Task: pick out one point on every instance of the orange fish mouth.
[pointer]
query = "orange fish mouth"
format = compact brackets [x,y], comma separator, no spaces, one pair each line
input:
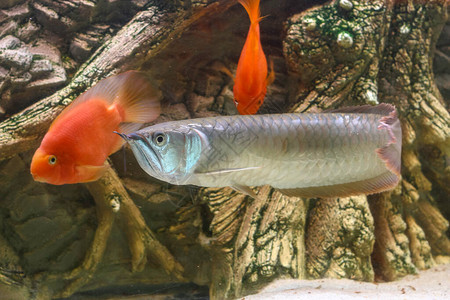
[38,178]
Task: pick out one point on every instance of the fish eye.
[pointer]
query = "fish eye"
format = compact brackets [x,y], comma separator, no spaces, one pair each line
[52,160]
[159,138]
[236,102]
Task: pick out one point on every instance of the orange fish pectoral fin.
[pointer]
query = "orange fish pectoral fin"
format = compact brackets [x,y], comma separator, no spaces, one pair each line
[87,173]
[227,71]
[271,76]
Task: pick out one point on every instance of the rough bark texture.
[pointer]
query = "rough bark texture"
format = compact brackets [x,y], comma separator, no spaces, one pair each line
[259,239]
[340,239]
[129,230]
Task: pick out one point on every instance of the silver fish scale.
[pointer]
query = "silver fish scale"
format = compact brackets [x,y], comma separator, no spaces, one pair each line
[293,150]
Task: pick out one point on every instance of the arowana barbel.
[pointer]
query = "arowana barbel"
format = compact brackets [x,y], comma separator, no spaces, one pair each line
[349,151]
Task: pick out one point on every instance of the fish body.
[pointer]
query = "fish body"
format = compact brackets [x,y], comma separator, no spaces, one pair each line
[336,154]
[250,84]
[80,139]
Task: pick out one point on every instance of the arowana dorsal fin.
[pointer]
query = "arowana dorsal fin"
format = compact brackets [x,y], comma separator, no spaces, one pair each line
[380,109]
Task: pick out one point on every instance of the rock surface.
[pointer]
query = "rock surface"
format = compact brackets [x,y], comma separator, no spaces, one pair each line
[34,34]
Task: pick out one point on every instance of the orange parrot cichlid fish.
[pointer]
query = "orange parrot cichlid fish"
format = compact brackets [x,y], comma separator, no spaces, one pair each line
[80,139]
[250,84]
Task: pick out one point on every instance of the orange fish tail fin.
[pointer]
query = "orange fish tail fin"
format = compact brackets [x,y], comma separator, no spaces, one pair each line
[138,97]
[252,8]
[271,76]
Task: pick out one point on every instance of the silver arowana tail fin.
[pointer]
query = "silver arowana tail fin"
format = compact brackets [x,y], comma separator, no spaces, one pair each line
[390,154]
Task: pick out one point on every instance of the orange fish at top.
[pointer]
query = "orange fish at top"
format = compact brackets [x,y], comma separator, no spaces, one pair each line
[250,84]
[80,139]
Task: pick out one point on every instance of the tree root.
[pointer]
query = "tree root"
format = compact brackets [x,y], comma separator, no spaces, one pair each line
[111,198]
[256,238]
[105,216]
[141,240]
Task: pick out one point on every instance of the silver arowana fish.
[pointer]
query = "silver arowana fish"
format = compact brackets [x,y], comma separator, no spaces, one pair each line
[344,152]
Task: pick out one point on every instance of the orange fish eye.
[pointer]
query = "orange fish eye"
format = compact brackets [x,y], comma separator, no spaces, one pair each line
[236,102]
[52,160]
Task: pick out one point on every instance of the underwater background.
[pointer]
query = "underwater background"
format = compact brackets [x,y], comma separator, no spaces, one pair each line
[130,234]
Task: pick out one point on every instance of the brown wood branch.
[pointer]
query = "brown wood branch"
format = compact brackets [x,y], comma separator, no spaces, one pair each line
[407,81]
[82,274]
[340,238]
[256,237]
[105,218]
[391,254]
[420,248]
[110,195]
[141,240]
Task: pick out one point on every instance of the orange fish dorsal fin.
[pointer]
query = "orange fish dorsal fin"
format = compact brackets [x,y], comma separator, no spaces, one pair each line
[138,99]
[252,8]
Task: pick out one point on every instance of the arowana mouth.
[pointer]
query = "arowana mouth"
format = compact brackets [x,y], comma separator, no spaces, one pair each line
[122,135]
[132,139]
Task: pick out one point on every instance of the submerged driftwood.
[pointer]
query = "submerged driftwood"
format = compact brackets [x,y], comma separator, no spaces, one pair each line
[343,53]
[392,50]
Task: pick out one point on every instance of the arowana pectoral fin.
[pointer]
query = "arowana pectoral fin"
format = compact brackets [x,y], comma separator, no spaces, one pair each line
[224,171]
[244,190]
